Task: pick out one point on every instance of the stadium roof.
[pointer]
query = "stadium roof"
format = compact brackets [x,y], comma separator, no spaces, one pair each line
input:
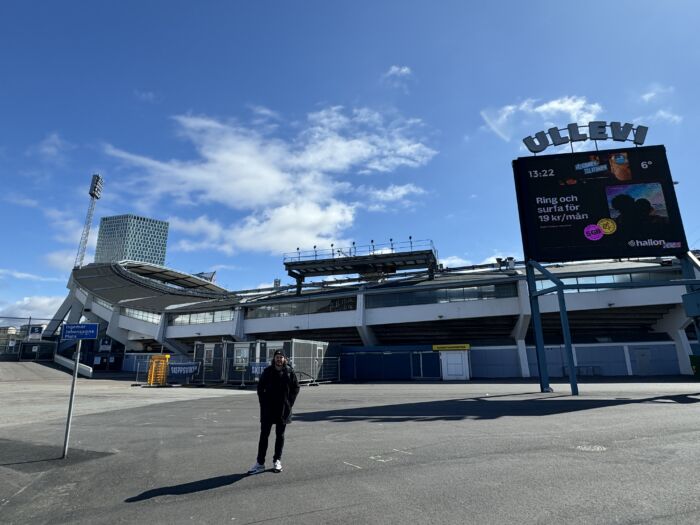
[144,286]
[170,276]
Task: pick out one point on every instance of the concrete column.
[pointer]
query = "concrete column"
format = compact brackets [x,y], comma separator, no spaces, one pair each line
[628,361]
[239,325]
[683,350]
[674,324]
[365,332]
[520,329]
[113,330]
[522,358]
[162,327]
[76,311]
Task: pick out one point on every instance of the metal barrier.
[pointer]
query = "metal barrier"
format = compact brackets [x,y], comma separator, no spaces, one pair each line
[9,352]
[138,370]
[241,375]
[227,371]
[314,369]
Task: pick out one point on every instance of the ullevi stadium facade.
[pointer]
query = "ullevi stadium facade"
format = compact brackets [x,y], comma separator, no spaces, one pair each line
[397,303]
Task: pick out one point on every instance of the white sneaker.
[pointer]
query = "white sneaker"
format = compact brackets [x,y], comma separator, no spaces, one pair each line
[258,467]
[277,466]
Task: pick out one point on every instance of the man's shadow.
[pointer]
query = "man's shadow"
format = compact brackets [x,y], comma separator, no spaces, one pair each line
[188,488]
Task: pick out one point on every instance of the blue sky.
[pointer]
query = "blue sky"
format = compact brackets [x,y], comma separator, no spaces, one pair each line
[256,127]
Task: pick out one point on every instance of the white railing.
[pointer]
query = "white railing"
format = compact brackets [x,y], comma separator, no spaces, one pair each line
[357,251]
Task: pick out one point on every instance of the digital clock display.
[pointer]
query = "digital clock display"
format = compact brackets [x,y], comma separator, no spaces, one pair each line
[598,205]
[541,173]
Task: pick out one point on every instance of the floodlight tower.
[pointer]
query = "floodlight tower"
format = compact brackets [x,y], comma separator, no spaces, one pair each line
[95,193]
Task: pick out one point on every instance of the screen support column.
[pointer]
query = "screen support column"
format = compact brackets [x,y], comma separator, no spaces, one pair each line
[566,332]
[537,326]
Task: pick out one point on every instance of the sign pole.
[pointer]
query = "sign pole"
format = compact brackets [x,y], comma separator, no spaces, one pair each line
[72,398]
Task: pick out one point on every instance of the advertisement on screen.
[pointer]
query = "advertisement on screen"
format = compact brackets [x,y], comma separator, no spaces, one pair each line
[598,205]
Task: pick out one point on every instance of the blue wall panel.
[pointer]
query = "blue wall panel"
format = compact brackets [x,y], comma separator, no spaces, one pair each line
[654,360]
[607,360]
[497,362]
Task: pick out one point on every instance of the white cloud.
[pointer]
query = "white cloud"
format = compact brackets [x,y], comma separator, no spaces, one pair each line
[508,119]
[37,307]
[454,261]
[61,259]
[20,200]
[363,140]
[208,234]
[27,276]
[274,230]
[68,229]
[661,116]
[265,112]
[397,192]
[398,72]
[218,267]
[51,149]
[145,96]
[296,224]
[283,192]
[655,92]
[397,77]
[201,226]
[377,199]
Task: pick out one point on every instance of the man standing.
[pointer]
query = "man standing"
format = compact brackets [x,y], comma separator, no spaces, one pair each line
[277,390]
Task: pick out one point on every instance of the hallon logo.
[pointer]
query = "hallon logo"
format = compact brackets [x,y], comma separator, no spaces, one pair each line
[597,130]
[635,243]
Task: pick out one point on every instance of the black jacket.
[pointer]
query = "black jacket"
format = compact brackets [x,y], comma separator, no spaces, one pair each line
[277,392]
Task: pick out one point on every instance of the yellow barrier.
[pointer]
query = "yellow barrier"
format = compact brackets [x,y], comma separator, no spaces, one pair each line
[158,370]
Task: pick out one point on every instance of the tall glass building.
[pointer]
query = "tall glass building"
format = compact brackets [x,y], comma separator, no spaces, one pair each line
[133,238]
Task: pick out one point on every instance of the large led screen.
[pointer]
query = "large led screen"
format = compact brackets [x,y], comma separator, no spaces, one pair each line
[598,205]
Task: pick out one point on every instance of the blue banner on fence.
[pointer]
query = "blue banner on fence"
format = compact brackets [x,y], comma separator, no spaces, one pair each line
[257,368]
[182,369]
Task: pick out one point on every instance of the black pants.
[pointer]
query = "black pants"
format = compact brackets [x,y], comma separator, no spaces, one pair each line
[279,440]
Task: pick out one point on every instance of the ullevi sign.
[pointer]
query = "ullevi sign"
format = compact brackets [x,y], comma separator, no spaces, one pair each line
[597,130]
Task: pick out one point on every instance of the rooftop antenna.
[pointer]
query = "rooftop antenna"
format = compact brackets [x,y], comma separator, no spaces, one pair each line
[95,193]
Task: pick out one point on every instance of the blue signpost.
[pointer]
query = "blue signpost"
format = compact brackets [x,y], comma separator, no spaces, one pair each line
[75,332]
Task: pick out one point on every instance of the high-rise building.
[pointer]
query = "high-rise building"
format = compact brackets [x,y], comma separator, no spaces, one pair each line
[133,238]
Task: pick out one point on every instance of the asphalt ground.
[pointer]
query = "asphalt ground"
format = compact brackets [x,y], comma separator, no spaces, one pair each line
[477,452]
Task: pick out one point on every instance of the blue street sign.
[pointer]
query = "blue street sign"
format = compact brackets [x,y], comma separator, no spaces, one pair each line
[73,332]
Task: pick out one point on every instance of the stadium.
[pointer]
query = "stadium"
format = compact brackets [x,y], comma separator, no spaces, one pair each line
[392,312]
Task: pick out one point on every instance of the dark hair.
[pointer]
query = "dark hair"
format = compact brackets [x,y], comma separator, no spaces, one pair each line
[276,353]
